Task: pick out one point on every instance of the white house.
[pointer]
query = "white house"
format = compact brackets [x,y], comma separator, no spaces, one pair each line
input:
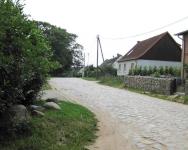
[113,62]
[160,50]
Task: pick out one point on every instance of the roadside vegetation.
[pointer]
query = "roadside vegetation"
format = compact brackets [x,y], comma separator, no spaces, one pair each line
[155,71]
[110,81]
[71,128]
[31,51]
[118,83]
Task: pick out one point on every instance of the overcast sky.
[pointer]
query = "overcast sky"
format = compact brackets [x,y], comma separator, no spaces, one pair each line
[111,19]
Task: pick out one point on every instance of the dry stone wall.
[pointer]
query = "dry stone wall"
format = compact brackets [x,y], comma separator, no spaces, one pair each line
[159,85]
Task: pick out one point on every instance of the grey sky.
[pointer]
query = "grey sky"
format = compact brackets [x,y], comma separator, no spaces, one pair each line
[110,18]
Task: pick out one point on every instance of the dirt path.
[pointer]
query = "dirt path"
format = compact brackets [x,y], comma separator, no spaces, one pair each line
[128,121]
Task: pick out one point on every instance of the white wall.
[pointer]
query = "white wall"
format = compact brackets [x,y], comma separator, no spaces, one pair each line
[124,71]
[115,65]
[143,63]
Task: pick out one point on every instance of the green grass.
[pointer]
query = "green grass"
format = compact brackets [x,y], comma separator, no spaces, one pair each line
[179,99]
[117,83]
[89,78]
[110,81]
[71,128]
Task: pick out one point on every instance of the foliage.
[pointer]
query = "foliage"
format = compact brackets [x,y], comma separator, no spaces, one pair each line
[71,128]
[25,56]
[90,71]
[112,81]
[154,71]
[156,74]
[109,71]
[65,49]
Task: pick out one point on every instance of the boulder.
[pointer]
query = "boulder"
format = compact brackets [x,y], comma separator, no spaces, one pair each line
[35,107]
[15,115]
[37,113]
[52,105]
[173,97]
[55,100]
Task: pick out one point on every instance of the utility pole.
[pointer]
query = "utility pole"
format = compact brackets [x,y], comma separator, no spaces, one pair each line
[99,45]
[83,72]
[97,56]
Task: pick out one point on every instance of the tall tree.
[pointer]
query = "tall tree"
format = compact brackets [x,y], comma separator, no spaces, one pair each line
[64,46]
[25,56]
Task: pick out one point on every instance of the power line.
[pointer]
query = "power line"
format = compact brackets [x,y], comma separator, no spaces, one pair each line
[140,34]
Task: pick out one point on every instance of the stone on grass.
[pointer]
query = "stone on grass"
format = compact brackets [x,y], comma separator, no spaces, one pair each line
[55,100]
[38,113]
[17,114]
[38,108]
[173,97]
[52,105]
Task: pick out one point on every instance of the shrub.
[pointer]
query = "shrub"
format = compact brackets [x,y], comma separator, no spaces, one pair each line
[154,69]
[131,72]
[25,57]
[109,70]
[166,70]
[161,70]
[171,70]
[150,70]
[156,74]
[144,71]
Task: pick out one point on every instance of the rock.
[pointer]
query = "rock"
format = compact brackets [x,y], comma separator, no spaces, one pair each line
[35,107]
[174,96]
[38,113]
[180,93]
[55,100]
[19,113]
[15,115]
[52,105]
[146,92]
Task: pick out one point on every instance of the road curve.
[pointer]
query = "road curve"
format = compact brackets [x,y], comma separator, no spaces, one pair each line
[129,121]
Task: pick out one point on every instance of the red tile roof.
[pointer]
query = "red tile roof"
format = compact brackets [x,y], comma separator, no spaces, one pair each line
[143,48]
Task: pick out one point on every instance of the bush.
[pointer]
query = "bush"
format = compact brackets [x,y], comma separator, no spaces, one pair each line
[144,71]
[161,70]
[109,70]
[157,74]
[25,57]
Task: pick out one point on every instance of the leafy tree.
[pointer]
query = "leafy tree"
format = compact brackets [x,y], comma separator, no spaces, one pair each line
[65,49]
[25,56]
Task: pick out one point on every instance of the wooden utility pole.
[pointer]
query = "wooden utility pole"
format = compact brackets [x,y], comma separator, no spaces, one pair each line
[97,56]
[83,73]
[99,45]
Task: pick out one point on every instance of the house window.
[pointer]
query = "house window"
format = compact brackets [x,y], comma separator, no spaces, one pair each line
[124,68]
[132,65]
[119,66]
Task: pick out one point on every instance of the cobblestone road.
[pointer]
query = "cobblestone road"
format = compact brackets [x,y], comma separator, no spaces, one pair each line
[151,123]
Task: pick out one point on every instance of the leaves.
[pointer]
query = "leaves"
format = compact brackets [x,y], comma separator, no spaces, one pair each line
[25,56]
[65,49]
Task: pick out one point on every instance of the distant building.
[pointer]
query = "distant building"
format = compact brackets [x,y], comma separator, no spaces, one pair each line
[113,62]
[160,50]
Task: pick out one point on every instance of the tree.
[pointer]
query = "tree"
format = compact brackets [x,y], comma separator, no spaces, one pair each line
[65,49]
[25,56]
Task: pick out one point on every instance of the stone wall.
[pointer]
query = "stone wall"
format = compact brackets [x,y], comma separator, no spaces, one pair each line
[159,85]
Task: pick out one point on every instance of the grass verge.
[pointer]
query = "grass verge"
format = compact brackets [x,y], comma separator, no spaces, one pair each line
[110,81]
[117,83]
[71,128]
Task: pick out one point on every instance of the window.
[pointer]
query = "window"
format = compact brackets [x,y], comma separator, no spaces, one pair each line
[119,66]
[124,68]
